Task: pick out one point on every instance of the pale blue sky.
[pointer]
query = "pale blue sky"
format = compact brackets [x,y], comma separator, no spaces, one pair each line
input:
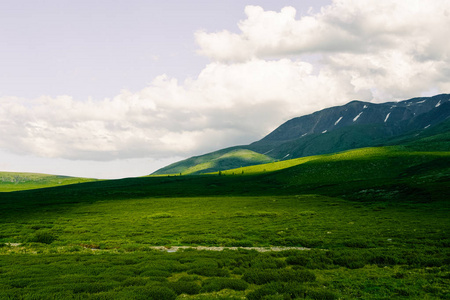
[96,48]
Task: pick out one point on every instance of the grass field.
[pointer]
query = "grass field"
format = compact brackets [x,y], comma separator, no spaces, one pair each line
[375,220]
[13,181]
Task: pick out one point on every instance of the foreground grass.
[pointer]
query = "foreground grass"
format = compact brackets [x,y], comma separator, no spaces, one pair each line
[376,222]
[101,250]
[238,274]
[302,221]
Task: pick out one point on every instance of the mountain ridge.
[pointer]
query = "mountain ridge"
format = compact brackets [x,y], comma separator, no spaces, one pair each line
[354,125]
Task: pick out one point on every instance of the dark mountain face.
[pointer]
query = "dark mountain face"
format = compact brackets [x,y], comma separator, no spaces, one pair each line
[356,124]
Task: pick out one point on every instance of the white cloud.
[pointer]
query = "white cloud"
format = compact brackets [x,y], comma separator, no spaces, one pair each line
[345,26]
[368,50]
[227,104]
[396,49]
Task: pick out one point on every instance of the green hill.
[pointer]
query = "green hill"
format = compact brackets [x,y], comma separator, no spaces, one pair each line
[220,160]
[14,181]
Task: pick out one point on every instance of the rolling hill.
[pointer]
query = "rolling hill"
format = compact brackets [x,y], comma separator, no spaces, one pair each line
[14,181]
[418,122]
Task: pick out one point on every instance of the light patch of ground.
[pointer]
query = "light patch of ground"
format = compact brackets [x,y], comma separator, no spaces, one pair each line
[259,249]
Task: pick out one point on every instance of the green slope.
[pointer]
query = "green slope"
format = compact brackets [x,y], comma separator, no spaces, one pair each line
[343,174]
[13,181]
[216,161]
[230,160]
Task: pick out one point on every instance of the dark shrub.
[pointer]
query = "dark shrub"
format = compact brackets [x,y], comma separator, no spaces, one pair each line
[350,259]
[135,281]
[185,287]
[217,284]
[297,242]
[383,260]
[155,273]
[298,259]
[210,272]
[321,295]
[44,237]
[240,243]
[260,276]
[189,278]
[267,262]
[155,293]
[91,288]
[278,290]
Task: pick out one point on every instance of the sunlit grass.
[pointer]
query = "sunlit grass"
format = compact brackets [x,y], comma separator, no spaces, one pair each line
[354,155]
[13,181]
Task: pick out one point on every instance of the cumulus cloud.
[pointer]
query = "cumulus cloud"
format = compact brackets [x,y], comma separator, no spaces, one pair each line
[225,105]
[345,26]
[368,50]
[394,48]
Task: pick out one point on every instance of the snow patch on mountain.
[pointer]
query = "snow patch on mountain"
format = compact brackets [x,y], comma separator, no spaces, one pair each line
[356,118]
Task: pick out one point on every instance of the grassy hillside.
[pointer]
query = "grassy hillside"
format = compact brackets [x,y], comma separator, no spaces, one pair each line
[375,219]
[216,161]
[230,161]
[13,181]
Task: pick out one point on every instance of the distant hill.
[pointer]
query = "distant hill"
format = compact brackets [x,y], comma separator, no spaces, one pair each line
[13,181]
[220,160]
[420,123]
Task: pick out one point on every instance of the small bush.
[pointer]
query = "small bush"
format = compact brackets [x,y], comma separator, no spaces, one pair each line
[321,295]
[91,287]
[291,241]
[154,293]
[260,276]
[358,243]
[209,272]
[199,240]
[240,243]
[267,262]
[185,287]
[189,278]
[156,273]
[299,260]
[44,237]
[383,260]
[278,290]
[135,281]
[217,284]
[161,216]
[350,259]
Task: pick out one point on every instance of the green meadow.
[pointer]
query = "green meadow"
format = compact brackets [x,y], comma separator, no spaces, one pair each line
[369,223]
[13,181]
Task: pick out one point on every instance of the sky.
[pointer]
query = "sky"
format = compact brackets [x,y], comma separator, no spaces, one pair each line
[113,89]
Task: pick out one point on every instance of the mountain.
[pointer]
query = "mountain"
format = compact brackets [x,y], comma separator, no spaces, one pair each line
[418,122]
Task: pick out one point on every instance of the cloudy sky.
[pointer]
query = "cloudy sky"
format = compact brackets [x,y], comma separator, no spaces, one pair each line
[112,89]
